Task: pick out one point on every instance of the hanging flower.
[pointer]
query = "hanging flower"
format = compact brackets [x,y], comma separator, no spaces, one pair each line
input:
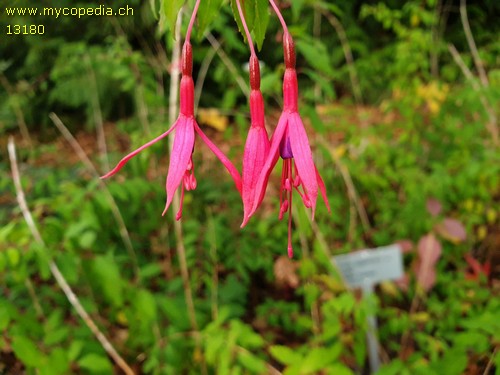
[290,142]
[181,167]
[257,143]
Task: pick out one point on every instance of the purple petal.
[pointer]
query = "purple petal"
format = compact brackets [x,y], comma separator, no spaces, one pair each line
[180,156]
[254,157]
[220,155]
[133,153]
[272,158]
[303,158]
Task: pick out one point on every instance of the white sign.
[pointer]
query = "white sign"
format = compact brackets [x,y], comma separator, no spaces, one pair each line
[365,267]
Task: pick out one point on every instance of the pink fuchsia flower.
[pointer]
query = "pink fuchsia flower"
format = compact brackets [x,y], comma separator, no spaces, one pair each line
[256,146]
[181,167]
[290,141]
[257,143]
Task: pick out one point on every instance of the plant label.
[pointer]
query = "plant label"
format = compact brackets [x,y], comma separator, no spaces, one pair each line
[363,269]
[370,266]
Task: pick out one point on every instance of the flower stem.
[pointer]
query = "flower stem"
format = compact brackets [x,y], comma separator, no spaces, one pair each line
[245,27]
[191,21]
[280,16]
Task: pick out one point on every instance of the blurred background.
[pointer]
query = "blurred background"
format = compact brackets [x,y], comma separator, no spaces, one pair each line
[401,103]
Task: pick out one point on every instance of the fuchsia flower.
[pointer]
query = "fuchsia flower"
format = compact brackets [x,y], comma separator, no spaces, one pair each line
[181,167]
[256,146]
[257,143]
[290,141]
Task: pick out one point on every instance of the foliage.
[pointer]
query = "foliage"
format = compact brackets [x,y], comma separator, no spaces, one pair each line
[416,157]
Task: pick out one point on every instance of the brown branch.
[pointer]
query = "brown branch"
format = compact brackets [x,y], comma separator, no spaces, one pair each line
[490,362]
[472,44]
[229,64]
[96,110]
[54,269]
[351,189]
[21,122]
[349,59]
[491,125]
[114,207]
[202,74]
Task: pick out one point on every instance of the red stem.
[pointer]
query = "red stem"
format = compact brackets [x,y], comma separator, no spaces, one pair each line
[245,27]
[191,21]
[278,13]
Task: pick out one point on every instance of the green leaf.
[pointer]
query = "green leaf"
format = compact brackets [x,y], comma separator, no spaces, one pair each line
[3,262]
[285,355]
[146,305]
[316,55]
[297,8]
[252,362]
[260,22]
[150,270]
[315,360]
[75,348]
[207,12]
[4,317]
[109,278]
[256,13]
[237,18]
[96,363]
[496,361]
[247,337]
[27,351]
[475,341]
[339,369]
[87,239]
[58,362]
[14,256]
[454,362]
[170,9]
[56,336]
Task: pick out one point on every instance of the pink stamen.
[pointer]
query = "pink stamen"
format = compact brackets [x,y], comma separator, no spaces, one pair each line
[185,181]
[178,215]
[290,248]
[288,186]
[296,182]
[286,176]
[283,209]
[286,193]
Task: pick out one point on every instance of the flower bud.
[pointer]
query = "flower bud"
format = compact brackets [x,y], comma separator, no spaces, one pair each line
[187,60]
[289,51]
[254,73]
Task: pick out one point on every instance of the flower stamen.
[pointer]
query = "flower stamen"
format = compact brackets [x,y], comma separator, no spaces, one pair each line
[290,248]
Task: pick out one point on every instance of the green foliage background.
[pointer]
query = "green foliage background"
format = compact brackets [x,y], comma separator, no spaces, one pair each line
[397,126]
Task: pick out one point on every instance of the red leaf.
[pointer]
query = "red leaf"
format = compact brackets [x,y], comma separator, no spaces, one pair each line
[452,230]
[429,251]
[433,206]
[405,245]
[477,268]
[473,264]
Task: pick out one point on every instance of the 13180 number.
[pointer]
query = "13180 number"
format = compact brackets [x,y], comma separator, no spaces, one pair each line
[25,29]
